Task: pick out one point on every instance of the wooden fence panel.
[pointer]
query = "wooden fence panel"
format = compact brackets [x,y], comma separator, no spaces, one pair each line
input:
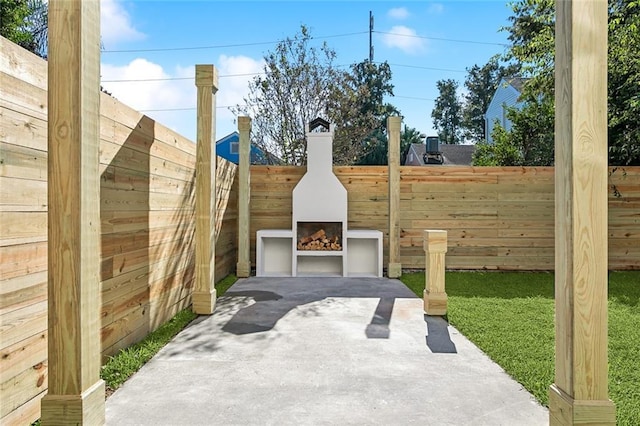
[499,218]
[147,209]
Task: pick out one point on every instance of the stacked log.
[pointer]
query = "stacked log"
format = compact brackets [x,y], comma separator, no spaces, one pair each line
[319,241]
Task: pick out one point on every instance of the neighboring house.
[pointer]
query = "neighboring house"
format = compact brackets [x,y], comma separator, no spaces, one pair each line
[229,147]
[507,95]
[414,155]
[452,155]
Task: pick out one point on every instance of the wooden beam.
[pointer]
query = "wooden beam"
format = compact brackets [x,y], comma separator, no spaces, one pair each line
[204,292]
[243,268]
[394,269]
[434,295]
[580,392]
[76,392]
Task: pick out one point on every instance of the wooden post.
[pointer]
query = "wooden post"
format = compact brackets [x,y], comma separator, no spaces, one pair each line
[435,247]
[243,268]
[204,292]
[394,269]
[76,392]
[580,392]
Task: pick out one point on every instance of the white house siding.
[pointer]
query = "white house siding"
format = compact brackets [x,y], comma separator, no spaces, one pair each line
[506,96]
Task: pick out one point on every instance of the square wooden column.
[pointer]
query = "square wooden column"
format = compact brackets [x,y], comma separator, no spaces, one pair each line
[243,267]
[394,269]
[434,296]
[580,392]
[76,393]
[204,292]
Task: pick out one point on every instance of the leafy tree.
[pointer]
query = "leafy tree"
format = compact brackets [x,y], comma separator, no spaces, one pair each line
[527,144]
[481,84]
[358,109]
[38,25]
[530,132]
[499,153]
[297,83]
[447,112]
[300,83]
[13,23]
[532,33]
[379,153]
[378,150]
[25,23]
[624,82]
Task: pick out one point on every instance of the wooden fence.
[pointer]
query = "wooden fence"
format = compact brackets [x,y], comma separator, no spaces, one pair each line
[147,227]
[499,218]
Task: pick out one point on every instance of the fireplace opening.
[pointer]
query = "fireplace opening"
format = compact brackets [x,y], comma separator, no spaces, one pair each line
[319,236]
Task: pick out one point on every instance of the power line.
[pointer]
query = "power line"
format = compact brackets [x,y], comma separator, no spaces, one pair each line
[443,39]
[223,46]
[181,109]
[424,68]
[260,43]
[413,97]
[143,80]
[136,80]
[232,106]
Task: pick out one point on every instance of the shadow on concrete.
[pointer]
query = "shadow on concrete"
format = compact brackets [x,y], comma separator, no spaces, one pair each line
[379,326]
[438,338]
[280,296]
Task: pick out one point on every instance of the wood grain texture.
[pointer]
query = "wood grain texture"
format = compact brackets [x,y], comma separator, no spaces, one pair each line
[434,295]
[243,268]
[204,294]
[73,187]
[394,269]
[580,216]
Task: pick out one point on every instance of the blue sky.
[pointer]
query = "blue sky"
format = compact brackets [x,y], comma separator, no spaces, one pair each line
[423,41]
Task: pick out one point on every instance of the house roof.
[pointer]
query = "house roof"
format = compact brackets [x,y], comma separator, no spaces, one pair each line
[233,137]
[457,155]
[516,82]
[453,155]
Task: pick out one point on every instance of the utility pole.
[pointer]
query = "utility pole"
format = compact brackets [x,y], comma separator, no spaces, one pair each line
[370,37]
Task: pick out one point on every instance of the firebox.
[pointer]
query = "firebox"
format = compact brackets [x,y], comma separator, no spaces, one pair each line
[319,236]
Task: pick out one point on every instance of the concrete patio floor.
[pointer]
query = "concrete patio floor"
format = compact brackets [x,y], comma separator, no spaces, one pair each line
[321,351]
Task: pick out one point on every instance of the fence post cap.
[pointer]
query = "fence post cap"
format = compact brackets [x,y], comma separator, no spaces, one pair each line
[435,240]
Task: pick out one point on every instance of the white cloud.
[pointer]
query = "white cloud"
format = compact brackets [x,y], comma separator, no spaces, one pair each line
[149,87]
[404,38]
[151,92]
[146,88]
[115,23]
[398,13]
[233,89]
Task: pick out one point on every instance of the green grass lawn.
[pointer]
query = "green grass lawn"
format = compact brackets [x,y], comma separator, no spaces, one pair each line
[510,316]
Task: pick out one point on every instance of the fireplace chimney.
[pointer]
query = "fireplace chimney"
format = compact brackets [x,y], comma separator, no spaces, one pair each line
[319,206]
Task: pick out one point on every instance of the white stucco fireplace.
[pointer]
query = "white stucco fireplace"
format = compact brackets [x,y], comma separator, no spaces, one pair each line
[319,242]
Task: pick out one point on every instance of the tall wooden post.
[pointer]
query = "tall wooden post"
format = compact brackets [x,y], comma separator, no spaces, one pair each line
[434,296]
[580,392]
[76,392]
[394,269]
[243,268]
[204,292]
